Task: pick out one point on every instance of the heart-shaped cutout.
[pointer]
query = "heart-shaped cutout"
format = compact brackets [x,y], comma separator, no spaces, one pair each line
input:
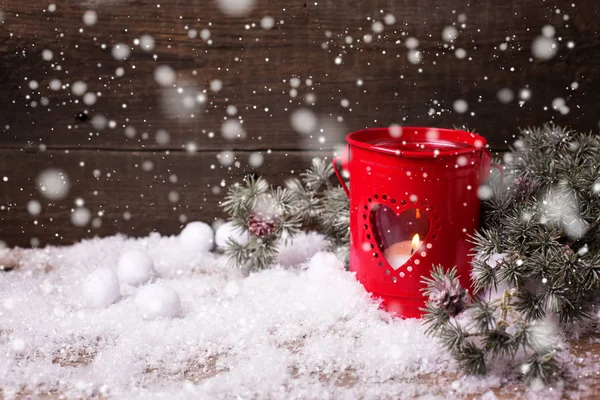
[398,237]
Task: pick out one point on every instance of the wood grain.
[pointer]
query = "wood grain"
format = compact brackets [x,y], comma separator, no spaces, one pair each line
[256,65]
[134,193]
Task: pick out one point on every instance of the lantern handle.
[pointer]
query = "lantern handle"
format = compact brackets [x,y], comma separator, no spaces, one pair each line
[334,163]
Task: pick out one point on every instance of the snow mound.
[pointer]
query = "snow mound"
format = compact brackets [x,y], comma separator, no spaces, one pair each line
[302,330]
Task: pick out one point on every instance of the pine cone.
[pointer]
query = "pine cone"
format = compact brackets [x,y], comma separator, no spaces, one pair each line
[261,226]
[449,295]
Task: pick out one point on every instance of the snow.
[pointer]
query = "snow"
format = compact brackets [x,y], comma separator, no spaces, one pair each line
[236,8]
[135,267]
[100,288]
[53,184]
[304,329]
[228,230]
[197,237]
[544,48]
[90,17]
[304,121]
[300,330]
[267,22]
[164,75]
[158,301]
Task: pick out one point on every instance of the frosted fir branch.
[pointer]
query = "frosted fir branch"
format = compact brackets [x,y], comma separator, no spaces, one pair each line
[334,215]
[492,329]
[318,175]
[306,204]
[541,242]
[273,215]
[242,199]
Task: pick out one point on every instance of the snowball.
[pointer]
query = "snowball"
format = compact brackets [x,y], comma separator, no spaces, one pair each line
[18,345]
[303,247]
[197,236]
[227,231]
[157,301]
[322,263]
[135,267]
[101,288]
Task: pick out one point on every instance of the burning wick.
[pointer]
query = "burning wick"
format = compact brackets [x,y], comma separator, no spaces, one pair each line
[399,253]
[414,245]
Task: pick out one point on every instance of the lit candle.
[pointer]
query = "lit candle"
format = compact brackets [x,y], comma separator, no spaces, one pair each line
[399,253]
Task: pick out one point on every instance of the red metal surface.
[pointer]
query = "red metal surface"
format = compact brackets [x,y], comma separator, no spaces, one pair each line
[423,182]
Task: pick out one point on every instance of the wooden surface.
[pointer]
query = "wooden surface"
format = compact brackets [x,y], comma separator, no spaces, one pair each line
[123,195]
[256,67]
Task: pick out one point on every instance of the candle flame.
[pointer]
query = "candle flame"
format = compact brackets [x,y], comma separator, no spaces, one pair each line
[414,245]
[418,215]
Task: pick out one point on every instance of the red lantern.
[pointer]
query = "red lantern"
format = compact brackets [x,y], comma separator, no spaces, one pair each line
[413,204]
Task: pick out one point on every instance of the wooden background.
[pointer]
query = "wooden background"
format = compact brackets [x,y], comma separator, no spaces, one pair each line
[135,185]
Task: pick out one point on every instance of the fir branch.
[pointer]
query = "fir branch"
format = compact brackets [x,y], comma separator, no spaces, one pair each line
[484,276]
[318,175]
[435,318]
[540,366]
[275,215]
[499,343]
[471,358]
[483,316]
[530,305]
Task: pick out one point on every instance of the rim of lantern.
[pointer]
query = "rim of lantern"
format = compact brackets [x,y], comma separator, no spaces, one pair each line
[475,141]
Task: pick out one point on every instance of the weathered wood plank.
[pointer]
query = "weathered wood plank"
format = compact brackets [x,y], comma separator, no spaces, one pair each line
[393,90]
[134,193]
